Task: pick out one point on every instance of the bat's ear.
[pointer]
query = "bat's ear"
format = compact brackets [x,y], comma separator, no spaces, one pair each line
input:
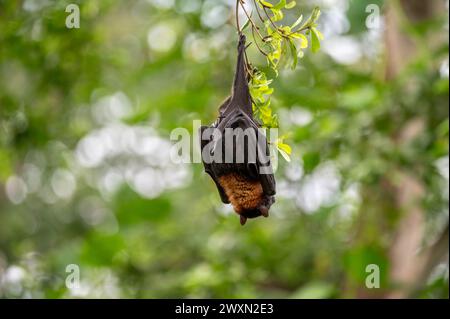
[243,220]
[264,211]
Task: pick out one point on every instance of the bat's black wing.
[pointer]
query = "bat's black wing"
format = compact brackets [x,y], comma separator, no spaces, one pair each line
[248,143]
[244,149]
[207,160]
[251,141]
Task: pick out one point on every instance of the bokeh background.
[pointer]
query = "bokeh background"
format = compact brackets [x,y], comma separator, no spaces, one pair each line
[85,175]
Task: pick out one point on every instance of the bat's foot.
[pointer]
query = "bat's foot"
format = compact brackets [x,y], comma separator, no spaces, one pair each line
[264,211]
[243,220]
[242,40]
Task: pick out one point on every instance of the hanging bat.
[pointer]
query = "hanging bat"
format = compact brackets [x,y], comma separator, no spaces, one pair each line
[235,153]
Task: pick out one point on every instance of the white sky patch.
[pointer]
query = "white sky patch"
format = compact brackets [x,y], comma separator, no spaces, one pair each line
[300,116]
[14,274]
[97,283]
[90,151]
[32,176]
[286,190]
[111,181]
[226,210]
[372,41]
[333,20]
[442,165]
[63,183]
[440,271]
[319,188]
[196,48]
[112,108]
[294,171]
[162,4]
[148,181]
[343,49]
[135,155]
[35,5]
[12,280]
[350,201]
[161,38]
[16,189]
[444,69]
[189,6]
[213,15]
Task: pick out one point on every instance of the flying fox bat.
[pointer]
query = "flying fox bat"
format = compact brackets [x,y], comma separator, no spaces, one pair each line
[235,153]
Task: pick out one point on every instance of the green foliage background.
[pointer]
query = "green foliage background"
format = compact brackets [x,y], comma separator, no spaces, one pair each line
[181,242]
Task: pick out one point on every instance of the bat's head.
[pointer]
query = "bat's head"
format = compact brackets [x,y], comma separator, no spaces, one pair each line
[261,210]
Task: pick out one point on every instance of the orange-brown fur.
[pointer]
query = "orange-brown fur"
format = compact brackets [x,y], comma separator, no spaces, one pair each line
[242,193]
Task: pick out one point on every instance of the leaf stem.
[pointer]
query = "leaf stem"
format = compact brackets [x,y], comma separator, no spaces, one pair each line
[256,43]
[237,17]
[257,10]
[251,21]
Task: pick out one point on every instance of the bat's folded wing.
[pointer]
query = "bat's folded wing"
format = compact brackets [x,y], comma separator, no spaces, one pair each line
[207,162]
[252,141]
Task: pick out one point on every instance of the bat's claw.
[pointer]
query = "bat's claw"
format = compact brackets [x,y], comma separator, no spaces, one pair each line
[243,220]
[264,211]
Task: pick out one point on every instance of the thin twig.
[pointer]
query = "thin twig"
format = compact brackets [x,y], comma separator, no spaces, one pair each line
[247,63]
[307,27]
[270,19]
[252,22]
[257,10]
[256,43]
[277,29]
[237,16]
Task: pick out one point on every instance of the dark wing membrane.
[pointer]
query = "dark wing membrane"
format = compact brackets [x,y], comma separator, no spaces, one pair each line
[224,105]
[254,144]
[208,166]
[268,184]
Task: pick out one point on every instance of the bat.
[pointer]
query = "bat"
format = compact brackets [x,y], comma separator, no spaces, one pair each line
[235,152]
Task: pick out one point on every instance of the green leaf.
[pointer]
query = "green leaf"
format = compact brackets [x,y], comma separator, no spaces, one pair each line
[265,4]
[315,14]
[302,38]
[293,53]
[285,147]
[314,290]
[247,23]
[280,5]
[315,42]
[277,15]
[285,150]
[312,19]
[318,33]
[296,23]
[291,5]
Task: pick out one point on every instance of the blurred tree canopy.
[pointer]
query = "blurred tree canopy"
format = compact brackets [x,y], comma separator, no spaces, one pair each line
[86,180]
